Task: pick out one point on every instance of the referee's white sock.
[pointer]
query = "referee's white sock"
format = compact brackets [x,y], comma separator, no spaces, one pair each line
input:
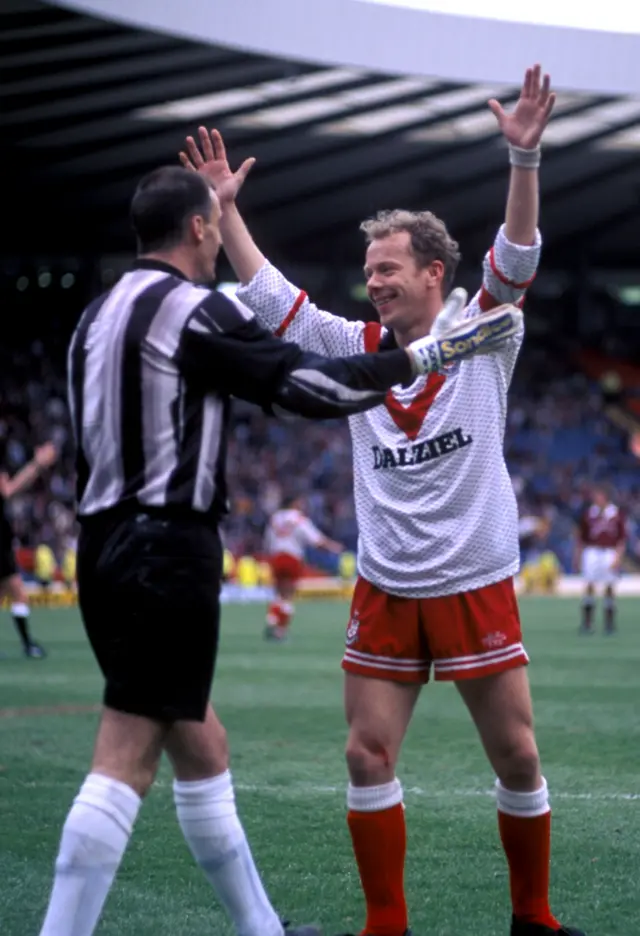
[94,838]
[209,822]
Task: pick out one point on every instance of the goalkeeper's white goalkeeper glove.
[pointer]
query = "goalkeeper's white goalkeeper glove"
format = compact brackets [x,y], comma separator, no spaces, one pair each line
[481,334]
[451,314]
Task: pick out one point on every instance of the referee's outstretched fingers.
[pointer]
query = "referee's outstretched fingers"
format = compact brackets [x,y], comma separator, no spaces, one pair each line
[186,162]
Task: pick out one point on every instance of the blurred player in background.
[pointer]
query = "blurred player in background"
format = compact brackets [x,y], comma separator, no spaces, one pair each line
[11,584]
[540,569]
[228,565]
[437,518]
[44,566]
[69,562]
[532,531]
[549,571]
[288,534]
[601,543]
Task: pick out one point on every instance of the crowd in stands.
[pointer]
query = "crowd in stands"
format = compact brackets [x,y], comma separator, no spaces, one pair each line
[558,441]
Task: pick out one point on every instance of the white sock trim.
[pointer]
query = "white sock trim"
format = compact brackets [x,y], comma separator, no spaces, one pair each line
[374,798]
[525,805]
[113,797]
[20,609]
[220,786]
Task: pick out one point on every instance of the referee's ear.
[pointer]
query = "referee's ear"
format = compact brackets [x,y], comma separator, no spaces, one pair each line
[207,228]
[197,228]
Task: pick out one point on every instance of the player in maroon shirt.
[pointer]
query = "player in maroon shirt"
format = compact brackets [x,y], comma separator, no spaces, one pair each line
[602,539]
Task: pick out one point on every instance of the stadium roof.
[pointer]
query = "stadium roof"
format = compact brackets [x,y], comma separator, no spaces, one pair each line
[89,106]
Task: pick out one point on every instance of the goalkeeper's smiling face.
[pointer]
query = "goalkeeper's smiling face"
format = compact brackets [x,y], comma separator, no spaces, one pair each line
[407,296]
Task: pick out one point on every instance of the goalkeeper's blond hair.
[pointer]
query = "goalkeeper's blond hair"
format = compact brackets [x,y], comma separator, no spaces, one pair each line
[430,239]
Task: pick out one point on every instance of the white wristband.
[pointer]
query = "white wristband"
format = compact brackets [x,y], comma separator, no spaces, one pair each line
[524,158]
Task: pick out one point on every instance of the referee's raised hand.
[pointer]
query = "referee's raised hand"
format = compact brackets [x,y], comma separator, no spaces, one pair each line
[213,164]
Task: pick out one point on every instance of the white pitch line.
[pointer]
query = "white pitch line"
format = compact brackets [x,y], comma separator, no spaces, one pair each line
[312,789]
[315,790]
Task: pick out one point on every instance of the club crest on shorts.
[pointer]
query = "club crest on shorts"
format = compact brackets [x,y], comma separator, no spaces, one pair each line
[353,628]
[495,640]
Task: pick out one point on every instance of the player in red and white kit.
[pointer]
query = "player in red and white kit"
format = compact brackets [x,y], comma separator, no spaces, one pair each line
[601,543]
[437,519]
[288,535]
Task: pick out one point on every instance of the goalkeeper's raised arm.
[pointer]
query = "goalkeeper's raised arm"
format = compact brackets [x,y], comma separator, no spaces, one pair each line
[522,129]
[511,264]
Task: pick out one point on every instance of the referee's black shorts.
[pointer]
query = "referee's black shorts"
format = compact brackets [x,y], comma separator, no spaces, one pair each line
[7,559]
[148,589]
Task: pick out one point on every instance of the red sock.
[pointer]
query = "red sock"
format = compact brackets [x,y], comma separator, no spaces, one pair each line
[273,614]
[380,843]
[527,844]
[285,612]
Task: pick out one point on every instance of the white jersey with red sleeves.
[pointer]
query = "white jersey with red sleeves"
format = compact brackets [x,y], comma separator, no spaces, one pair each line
[436,510]
[290,532]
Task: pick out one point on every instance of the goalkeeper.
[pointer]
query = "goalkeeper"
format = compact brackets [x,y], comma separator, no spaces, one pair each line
[436,512]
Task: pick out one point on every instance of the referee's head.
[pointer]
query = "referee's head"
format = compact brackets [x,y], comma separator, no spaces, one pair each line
[176,218]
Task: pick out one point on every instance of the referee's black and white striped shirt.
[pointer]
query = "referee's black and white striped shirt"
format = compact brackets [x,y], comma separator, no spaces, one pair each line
[152,366]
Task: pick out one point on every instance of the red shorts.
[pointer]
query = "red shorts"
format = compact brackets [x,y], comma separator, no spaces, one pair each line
[465,636]
[286,567]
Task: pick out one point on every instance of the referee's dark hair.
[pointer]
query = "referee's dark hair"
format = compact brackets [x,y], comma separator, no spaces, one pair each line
[163,203]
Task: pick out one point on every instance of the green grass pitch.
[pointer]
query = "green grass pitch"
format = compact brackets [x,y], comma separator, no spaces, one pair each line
[282,706]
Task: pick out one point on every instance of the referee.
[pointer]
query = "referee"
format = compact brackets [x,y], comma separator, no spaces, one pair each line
[152,367]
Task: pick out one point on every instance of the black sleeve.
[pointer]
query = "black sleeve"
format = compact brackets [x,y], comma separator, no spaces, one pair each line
[229,352]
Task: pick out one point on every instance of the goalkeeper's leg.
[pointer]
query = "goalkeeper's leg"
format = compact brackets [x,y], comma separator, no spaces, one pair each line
[378,712]
[385,668]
